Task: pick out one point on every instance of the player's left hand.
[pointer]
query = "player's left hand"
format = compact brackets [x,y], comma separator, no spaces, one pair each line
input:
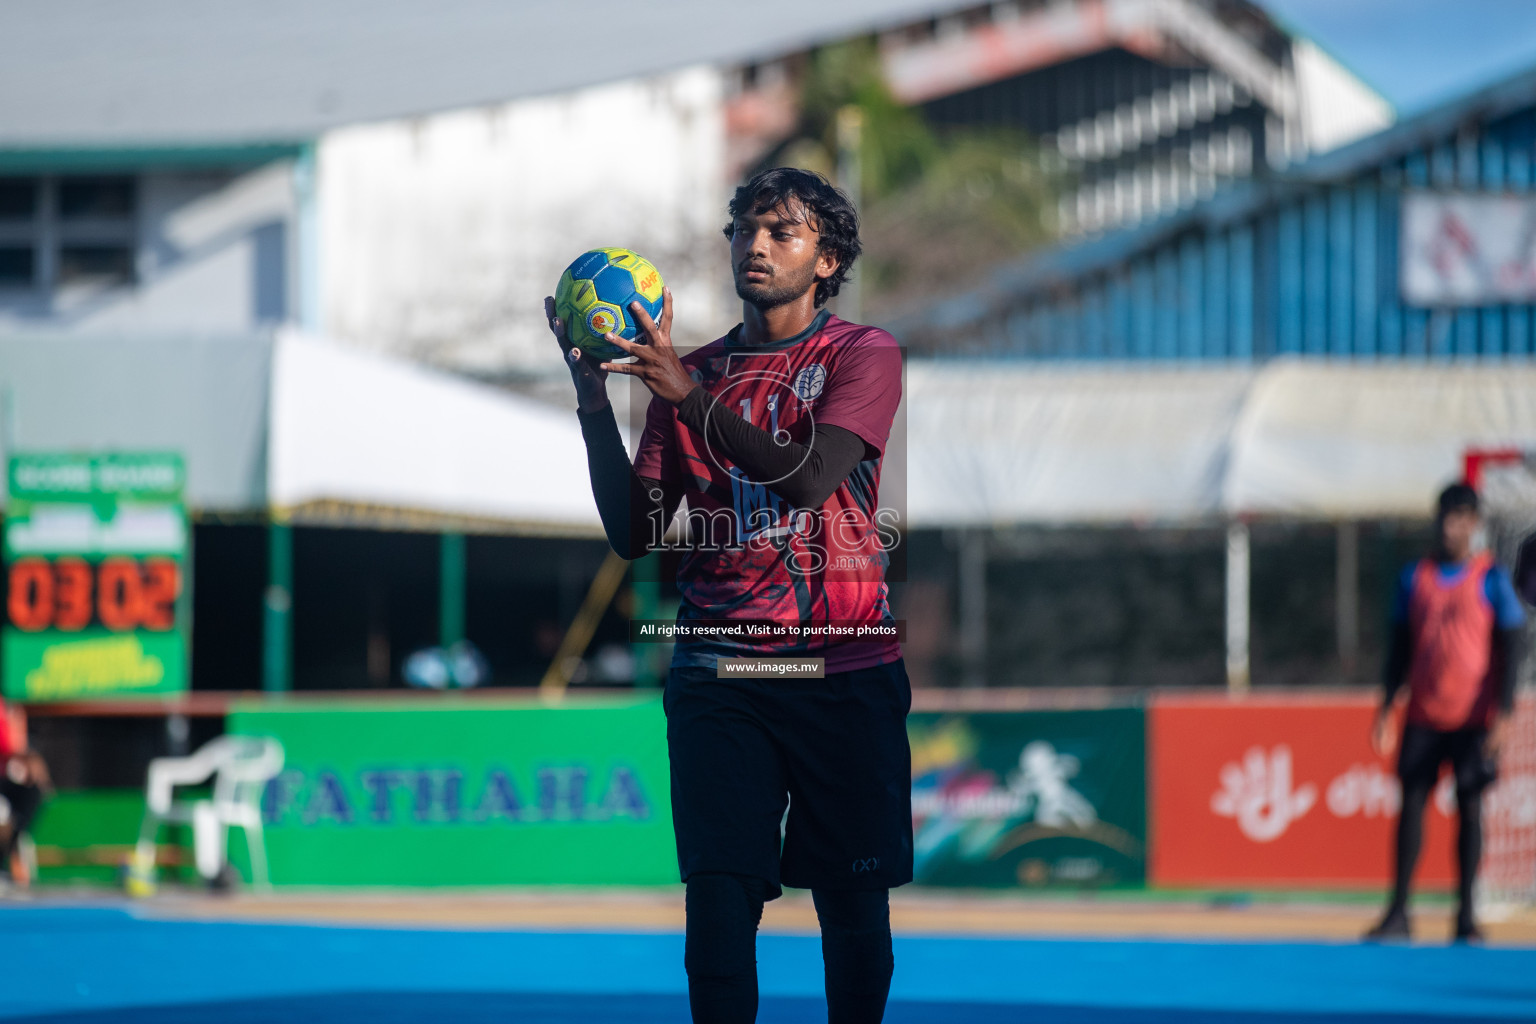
[1383,735]
[657,364]
[1497,733]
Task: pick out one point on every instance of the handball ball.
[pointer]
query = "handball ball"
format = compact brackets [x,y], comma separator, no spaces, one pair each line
[594,295]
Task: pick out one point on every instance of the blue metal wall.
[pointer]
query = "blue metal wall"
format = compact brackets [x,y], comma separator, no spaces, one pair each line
[1305,264]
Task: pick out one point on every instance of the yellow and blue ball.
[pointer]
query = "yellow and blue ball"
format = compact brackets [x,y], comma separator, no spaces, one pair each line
[594,295]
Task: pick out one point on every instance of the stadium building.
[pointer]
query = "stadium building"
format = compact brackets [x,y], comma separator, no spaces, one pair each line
[1151,105]
[1395,247]
[226,196]
[1275,382]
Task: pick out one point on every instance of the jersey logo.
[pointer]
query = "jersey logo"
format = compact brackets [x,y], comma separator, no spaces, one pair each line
[809,382]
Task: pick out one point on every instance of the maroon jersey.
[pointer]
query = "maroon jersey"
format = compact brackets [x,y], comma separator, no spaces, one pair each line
[754,557]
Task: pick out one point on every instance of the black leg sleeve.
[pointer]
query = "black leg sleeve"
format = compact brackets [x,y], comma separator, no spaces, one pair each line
[856,952]
[1469,844]
[721,947]
[1410,836]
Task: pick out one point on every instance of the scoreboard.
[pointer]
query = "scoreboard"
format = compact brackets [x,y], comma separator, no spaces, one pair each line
[96,601]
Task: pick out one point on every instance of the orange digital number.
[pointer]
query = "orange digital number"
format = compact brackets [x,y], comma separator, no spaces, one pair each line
[119,593]
[30,598]
[72,594]
[162,585]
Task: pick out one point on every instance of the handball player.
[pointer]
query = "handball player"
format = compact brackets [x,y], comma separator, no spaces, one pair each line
[774,436]
[1456,626]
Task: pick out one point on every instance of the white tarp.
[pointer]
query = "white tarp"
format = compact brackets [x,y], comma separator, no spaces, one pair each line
[1468,249]
[291,422]
[365,430]
[204,397]
[301,423]
[1009,442]
[1362,440]
[1001,442]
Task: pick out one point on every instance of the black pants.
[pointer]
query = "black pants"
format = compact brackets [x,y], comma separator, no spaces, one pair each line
[1423,751]
[833,753]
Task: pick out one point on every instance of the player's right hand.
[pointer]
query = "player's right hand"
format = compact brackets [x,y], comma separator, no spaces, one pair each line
[586,372]
[1383,736]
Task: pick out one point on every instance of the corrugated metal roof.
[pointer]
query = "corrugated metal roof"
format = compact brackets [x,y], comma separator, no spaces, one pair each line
[1061,265]
[167,72]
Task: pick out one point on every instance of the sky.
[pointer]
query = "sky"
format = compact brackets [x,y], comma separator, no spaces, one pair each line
[1419,52]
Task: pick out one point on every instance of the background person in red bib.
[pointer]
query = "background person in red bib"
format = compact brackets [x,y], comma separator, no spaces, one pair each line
[1455,647]
[775,435]
[24,784]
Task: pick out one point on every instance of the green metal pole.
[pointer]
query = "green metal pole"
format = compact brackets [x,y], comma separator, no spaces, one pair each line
[277,638]
[450,597]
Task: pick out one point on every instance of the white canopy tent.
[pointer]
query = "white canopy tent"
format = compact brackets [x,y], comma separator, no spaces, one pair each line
[361,431]
[295,423]
[998,443]
[304,427]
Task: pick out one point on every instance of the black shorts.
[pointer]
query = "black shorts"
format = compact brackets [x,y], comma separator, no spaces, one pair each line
[1424,750]
[834,750]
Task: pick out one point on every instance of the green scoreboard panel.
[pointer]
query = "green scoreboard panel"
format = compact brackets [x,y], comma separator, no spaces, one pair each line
[97,601]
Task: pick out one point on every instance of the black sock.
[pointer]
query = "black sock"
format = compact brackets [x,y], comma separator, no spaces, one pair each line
[1410,836]
[1469,847]
[856,952]
[721,947]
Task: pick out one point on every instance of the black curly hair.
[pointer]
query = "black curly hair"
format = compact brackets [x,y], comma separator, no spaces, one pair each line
[830,212]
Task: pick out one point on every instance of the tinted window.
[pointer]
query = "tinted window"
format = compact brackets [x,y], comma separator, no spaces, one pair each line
[18,198]
[95,197]
[16,265]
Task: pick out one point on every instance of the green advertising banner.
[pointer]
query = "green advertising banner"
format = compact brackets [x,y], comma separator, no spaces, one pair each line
[95,551]
[1030,798]
[469,792]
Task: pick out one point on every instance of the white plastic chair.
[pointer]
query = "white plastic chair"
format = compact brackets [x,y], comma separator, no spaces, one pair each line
[241,767]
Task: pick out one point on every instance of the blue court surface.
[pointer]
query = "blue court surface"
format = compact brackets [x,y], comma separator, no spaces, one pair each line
[75,964]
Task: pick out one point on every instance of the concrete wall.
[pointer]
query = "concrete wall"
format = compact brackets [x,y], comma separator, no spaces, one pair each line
[439,237]
[214,253]
[434,238]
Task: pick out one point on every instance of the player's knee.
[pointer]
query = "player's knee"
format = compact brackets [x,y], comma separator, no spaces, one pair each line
[723,913]
[853,912]
[856,950]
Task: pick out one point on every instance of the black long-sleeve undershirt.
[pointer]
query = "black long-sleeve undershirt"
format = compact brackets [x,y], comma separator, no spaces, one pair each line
[803,475]
[634,517]
[636,510]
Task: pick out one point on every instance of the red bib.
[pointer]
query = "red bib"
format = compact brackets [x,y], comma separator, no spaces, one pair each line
[1452,622]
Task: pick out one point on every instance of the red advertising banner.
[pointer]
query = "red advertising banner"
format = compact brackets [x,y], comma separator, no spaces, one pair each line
[1279,790]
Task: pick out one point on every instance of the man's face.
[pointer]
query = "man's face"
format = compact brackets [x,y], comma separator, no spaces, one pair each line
[1456,531]
[774,255]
